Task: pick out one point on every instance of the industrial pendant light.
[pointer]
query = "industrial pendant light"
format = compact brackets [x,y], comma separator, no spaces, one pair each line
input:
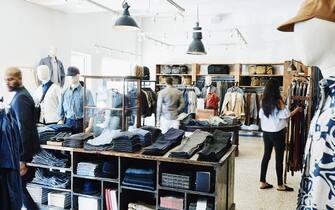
[197,47]
[126,22]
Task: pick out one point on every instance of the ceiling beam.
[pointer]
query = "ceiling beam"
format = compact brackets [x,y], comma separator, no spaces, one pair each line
[173,3]
[103,7]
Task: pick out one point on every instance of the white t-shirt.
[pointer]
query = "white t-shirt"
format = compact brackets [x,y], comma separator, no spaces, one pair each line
[276,121]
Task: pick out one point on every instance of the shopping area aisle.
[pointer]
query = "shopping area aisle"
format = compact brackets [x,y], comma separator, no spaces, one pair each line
[248,196]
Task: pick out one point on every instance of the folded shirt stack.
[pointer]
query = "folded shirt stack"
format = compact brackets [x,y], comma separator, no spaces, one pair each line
[144,135]
[155,132]
[126,142]
[39,194]
[87,169]
[46,158]
[140,206]
[45,133]
[140,178]
[165,142]
[76,140]
[215,148]
[103,142]
[51,179]
[59,199]
[170,202]
[190,145]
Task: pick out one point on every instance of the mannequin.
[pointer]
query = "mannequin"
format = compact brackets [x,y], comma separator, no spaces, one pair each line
[70,110]
[50,102]
[209,88]
[56,67]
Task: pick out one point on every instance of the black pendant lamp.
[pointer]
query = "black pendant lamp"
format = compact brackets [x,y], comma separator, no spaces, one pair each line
[197,47]
[126,22]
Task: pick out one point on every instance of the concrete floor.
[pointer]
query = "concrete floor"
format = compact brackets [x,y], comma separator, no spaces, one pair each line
[248,196]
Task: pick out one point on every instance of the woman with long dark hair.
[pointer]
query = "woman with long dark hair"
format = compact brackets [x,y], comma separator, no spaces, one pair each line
[274,115]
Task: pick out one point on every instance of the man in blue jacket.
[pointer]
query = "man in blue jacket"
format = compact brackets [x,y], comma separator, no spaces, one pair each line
[22,109]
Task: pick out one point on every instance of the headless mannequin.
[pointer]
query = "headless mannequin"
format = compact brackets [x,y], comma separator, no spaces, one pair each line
[43,73]
[75,82]
[317,50]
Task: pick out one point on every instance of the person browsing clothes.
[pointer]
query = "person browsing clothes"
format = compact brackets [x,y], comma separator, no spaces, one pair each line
[170,103]
[274,116]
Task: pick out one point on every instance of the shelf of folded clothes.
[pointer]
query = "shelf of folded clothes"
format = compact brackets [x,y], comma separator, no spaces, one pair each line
[48,167]
[48,187]
[96,196]
[187,191]
[46,207]
[96,178]
[138,189]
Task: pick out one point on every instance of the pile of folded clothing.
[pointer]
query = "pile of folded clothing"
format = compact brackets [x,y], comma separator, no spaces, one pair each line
[170,202]
[51,179]
[60,136]
[59,199]
[192,144]
[165,142]
[45,133]
[144,135]
[46,158]
[155,132]
[76,140]
[215,149]
[39,194]
[60,127]
[230,120]
[140,178]
[103,142]
[126,142]
[193,122]
[140,206]
[201,204]
[87,169]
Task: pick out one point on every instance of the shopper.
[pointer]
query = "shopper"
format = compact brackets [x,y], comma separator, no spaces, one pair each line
[170,103]
[22,109]
[274,115]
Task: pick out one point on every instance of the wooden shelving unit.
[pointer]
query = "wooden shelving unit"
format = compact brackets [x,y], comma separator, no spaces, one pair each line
[222,177]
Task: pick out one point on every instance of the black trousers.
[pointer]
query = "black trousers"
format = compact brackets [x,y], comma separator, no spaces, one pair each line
[276,140]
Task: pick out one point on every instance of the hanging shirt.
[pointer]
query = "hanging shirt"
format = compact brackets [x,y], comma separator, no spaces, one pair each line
[72,103]
[276,121]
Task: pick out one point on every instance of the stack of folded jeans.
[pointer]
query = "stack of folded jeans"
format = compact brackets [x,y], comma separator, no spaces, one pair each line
[165,142]
[52,179]
[126,142]
[45,133]
[215,149]
[60,127]
[144,135]
[87,169]
[76,140]
[60,136]
[155,132]
[102,142]
[46,158]
[140,178]
[193,122]
[192,144]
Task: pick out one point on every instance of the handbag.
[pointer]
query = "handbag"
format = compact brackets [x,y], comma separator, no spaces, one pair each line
[212,101]
[187,80]
[252,69]
[255,81]
[261,69]
[269,70]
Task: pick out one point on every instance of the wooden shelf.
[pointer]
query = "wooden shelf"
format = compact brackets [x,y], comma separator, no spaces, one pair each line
[51,188]
[96,178]
[97,196]
[187,191]
[48,167]
[262,75]
[232,75]
[138,189]
[174,75]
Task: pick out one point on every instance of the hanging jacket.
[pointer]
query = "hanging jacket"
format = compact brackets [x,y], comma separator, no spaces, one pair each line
[10,148]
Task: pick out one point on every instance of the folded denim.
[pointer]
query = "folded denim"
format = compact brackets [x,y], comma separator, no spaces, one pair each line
[126,142]
[139,181]
[144,135]
[88,169]
[165,142]
[216,147]
[198,123]
[76,125]
[191,145]
[138,186]
[76,140]
[105,147]
[60,127]
[155,132]
[60,136]
[45,133]
[51,179]
[46,158]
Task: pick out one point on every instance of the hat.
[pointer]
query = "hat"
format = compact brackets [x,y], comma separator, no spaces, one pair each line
[322,9]
[72,71]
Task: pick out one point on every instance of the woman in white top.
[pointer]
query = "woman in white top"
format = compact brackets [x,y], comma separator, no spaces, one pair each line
[274,115]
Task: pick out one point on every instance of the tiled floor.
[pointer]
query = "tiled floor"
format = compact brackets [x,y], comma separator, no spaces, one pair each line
[248,196]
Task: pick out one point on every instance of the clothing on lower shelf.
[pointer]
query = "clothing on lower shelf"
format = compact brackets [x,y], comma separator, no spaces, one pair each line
[141,178]
[165,142]
[216,147]
[87,169]
[39,194]
[76,140]
[190,145]
[59,199]
[155,132]
[45,133]
[144,135]
[51,179]
[140,206]
[171,202]
[46,158]
[201,204]
[126,142]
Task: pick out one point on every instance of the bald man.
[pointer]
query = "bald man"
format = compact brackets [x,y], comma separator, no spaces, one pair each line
[22,109]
